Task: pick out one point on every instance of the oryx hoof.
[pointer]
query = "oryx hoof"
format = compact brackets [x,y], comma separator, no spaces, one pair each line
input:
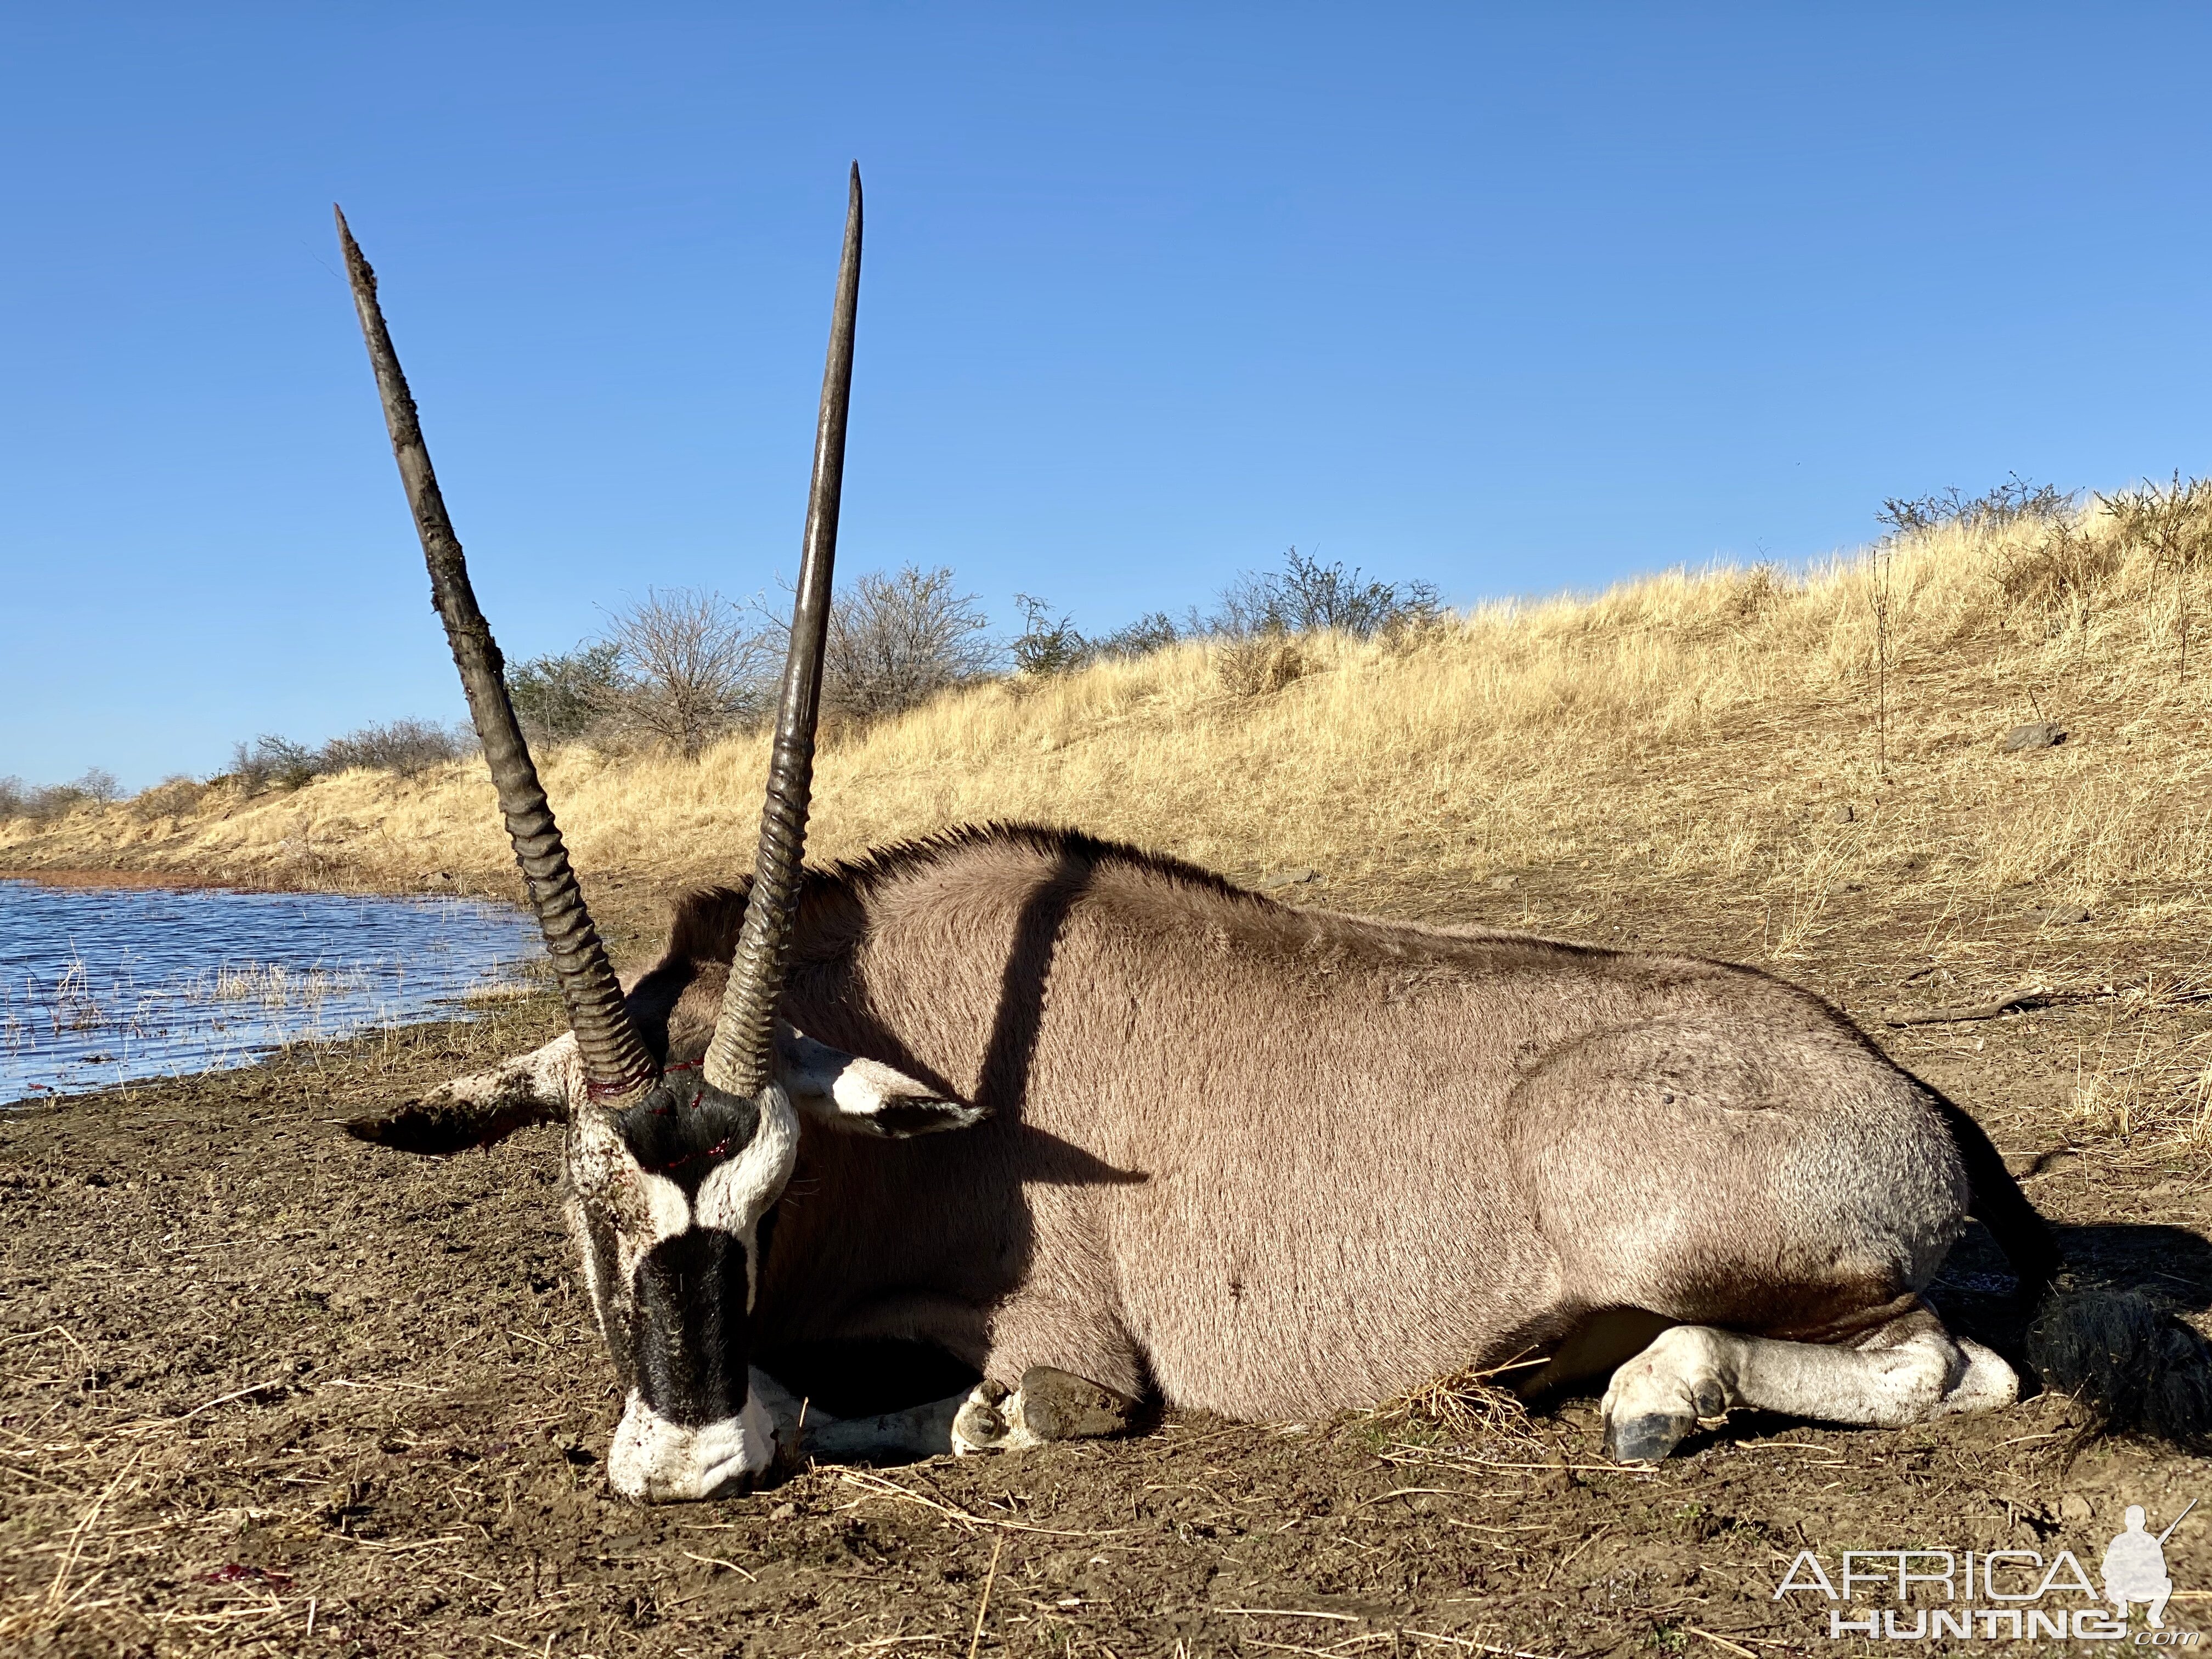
[1050,1405]
[1658,1397]
[1649,1439]
[1056,1405]
[989,1420]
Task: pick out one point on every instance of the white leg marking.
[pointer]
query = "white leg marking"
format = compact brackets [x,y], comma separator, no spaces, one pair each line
[917,1432]
[782,1405]
[1988,1384]
[1694,1371]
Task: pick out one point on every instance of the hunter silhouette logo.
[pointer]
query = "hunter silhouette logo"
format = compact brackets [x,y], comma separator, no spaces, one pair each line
[2135,1566]
[2002,1595]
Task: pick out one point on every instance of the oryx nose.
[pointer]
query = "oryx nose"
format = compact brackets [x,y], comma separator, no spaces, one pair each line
[690,1294]
[654,1461]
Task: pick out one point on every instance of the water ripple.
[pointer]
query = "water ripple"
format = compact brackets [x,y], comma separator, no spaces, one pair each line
[102,985]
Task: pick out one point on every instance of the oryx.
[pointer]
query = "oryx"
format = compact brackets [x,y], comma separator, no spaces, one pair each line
[1214,1151]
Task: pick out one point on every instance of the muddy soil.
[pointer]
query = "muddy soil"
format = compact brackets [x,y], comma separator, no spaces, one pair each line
[265,1389]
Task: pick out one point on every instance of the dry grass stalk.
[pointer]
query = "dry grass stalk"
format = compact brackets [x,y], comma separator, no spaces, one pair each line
[984,1607]
[1466,1408]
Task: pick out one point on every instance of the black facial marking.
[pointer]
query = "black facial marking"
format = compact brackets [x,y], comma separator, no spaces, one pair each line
[691,1293]
[686,1126]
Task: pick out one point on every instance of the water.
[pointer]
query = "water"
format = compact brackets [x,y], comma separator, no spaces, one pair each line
[102,985]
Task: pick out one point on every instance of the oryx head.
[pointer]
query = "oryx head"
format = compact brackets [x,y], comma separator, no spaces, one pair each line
[669,1168]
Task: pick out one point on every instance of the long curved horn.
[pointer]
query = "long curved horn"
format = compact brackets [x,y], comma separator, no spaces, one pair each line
[616,1063]
[738,1060]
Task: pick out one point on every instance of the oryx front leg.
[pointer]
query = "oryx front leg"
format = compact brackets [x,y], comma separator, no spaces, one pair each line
[1890,1379]
[916,1431]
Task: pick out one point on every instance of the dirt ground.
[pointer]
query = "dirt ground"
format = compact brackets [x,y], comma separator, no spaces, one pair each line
[265,1389]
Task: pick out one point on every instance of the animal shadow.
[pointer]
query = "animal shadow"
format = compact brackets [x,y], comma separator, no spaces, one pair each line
[1978,1296]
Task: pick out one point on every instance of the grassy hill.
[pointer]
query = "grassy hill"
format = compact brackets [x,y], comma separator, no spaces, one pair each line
[1743,739]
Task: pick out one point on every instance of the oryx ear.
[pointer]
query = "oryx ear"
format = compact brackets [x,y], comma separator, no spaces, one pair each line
[479,1110]
[862,1096]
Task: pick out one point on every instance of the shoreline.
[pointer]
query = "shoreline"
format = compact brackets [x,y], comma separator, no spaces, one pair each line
[182,880]
[129,980]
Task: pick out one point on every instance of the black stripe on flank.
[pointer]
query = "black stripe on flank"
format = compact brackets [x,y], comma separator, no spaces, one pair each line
[690,1293]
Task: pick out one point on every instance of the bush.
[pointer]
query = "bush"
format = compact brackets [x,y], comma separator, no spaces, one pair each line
[407,747]
[1253,665]
[897,641]
[54,801]
[2007,504]
[1154,631]
[2061,565]
[1754,593]
[1044,646]
[1307,596]
[687,669]
[562,698]
[270,760]
[173,797]
[1048,646]
[2172,523]
[18,800]
[1262,610]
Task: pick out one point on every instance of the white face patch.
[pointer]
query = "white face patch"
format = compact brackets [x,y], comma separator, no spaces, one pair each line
[737,1192]
[666,1210]
[737,1195]
[654,1461]
[646,1208]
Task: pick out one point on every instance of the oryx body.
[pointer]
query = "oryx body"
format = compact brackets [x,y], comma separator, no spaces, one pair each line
[1272,1162]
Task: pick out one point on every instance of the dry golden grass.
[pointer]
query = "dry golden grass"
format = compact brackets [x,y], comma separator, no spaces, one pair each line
[1689,735]
[1470,1407]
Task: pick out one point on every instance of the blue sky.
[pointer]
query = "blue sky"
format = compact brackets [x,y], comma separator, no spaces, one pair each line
[1514,299]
